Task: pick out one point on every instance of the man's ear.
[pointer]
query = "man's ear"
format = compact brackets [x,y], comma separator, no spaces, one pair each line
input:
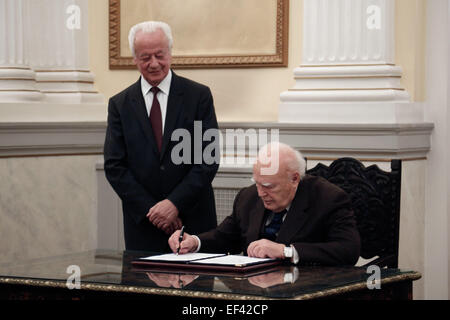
[295,178]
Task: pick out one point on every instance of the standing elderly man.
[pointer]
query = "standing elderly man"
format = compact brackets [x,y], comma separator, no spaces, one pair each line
[158,194]
[286,214]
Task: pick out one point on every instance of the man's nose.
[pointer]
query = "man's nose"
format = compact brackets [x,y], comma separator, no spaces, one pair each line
[153,62]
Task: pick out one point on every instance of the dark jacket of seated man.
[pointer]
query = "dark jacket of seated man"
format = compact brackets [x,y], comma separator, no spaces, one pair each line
[319,227]
[319,224]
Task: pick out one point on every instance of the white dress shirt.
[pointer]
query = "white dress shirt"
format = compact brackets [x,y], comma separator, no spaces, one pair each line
[162,96]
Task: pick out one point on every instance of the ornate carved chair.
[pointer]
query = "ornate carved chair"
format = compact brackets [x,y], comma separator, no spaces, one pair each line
[375,195]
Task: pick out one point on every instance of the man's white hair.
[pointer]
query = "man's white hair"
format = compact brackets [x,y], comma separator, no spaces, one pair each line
[149,27]
[293,159]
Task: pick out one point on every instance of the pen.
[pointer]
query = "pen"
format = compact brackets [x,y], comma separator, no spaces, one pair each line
[180,238]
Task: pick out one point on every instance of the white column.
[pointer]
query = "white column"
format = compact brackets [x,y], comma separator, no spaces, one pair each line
[348,32]
[348,73]
[58,52]
[17,80]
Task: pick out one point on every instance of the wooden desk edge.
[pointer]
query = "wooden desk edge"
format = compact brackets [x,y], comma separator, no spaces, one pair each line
[61,284]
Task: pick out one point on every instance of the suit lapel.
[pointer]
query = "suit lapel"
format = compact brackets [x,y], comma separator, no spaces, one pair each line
[296,216]
[138,106]
[257,216]
[174,108]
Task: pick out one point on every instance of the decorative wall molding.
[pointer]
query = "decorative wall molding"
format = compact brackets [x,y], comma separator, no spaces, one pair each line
[49,139]
[362,141]
[374,141]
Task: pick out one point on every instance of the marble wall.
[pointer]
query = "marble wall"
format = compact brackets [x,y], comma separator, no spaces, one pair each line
[47,206]
[412,222]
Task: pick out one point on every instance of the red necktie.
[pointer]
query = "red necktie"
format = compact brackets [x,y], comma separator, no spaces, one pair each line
[156,118]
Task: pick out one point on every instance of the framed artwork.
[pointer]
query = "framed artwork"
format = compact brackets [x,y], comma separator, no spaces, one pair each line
[207,33]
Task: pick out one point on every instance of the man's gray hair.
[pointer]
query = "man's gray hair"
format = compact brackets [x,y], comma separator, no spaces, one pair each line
[149,27]
[294,159]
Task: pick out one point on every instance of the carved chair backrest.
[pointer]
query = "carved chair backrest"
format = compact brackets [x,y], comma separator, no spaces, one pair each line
[375,196]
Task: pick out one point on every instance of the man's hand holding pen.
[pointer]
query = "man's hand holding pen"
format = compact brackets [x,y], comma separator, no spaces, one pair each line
[181,242]
[180,239]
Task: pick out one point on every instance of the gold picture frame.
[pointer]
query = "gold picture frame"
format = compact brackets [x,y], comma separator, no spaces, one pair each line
[258,48]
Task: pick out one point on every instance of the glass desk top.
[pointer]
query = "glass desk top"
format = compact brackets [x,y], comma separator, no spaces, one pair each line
[108,270]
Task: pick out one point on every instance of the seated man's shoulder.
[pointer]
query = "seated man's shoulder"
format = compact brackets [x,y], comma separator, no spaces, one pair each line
[248,192]
[247,196]
[324,193]
[320,185]
[245,200]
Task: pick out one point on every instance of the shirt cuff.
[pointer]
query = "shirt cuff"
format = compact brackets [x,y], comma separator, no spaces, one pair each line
[199,244]
[295,258]
[291,277]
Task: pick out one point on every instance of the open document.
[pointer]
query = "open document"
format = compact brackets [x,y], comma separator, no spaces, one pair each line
[211,261]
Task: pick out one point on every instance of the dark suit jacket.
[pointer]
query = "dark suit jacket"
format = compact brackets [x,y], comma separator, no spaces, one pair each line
[142,177]
[320,224]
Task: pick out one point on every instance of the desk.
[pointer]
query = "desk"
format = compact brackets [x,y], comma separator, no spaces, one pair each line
[109,274]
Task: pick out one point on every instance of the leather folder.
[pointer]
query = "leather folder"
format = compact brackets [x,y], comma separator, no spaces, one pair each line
[204,265]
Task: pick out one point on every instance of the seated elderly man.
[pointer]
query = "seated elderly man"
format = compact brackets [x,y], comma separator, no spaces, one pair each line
[286,214]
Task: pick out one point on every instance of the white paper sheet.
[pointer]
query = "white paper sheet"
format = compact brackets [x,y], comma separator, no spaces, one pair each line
[181,257]
[233,260]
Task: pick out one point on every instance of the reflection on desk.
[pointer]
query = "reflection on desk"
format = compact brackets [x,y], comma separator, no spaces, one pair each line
[275,278]
[105,272]
[171,280]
